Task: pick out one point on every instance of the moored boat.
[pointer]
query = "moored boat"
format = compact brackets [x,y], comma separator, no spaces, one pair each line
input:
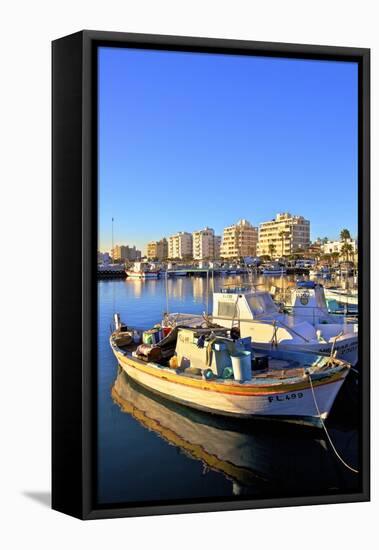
[273,269]
[142,270]
[205,368]
[342,296]
[303,325]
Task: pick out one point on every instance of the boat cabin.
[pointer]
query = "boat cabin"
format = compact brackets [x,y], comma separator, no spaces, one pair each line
[308,300]
[234,303]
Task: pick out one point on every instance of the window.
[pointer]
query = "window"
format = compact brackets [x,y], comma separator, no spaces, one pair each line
[227,309]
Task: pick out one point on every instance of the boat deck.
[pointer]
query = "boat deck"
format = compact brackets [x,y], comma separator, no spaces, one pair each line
[278,370]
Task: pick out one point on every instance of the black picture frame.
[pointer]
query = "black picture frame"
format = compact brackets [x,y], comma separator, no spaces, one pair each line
[74,228]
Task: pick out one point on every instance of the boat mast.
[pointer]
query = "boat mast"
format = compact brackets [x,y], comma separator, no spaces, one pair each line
[166,285]
[207,299]
[112,242]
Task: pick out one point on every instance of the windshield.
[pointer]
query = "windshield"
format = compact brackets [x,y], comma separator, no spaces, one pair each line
[261,303]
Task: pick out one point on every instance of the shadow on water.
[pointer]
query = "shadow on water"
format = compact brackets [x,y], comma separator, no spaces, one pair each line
[259,458]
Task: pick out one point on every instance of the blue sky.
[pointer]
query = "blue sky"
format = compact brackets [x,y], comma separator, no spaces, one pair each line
[188,140]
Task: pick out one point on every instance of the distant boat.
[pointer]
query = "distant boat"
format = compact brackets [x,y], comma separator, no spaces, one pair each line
[142,270]
[342,296]
[208,370]
[274,269]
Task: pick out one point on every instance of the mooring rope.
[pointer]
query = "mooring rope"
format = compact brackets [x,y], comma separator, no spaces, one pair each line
[326,431]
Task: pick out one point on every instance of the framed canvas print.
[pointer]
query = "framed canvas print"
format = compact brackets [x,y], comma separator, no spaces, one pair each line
[210,274]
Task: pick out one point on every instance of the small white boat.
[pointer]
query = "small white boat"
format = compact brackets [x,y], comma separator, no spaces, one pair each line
[342,296]
[305,324]
[207,370]
[142,270]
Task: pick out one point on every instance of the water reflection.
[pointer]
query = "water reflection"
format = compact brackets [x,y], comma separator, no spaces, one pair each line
[258,459]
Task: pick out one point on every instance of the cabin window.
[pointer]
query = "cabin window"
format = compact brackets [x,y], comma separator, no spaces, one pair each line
[262,303]
[255,304]
[269,304]
[227,309]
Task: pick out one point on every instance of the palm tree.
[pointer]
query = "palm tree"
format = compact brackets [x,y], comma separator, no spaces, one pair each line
[335,256]
[345,235]
[271,249]
[346,250]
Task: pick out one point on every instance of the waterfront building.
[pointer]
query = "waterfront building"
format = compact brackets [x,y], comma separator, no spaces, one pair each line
[338,246]
[180,246]
[157,250]
[125,253]
[239,240]
[217,246]
[284,235]
[205,244]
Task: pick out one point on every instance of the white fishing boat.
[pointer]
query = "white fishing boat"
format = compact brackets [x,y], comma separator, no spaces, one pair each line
[142,270]
[342,296]
[305,325]
[206,369]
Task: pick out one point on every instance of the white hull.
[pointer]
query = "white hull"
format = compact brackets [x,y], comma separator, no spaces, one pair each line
[341,297]
[295,405]
[142,275]
[346,351]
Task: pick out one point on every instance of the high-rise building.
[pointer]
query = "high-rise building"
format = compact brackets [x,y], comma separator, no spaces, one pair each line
[157,250]
[124,252]
[205,244]
[217,246]
[180,246]
[239,240]
[284,235]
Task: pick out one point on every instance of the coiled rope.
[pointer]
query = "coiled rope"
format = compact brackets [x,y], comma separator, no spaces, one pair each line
[326,431]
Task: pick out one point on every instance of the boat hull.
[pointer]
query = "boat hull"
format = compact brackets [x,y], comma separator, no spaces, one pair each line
[347,350]
[288,403]
[348,299]
[142,275]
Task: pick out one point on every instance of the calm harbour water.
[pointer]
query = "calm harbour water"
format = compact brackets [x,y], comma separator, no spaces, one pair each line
[150,449]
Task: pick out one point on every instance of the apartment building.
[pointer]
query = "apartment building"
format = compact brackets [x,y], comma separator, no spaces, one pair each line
[157,250]
[180,246]
[205,244]
[124,252]
[284,235]
[239,240]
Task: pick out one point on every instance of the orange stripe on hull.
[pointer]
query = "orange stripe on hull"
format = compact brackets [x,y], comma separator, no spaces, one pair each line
[224,388]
